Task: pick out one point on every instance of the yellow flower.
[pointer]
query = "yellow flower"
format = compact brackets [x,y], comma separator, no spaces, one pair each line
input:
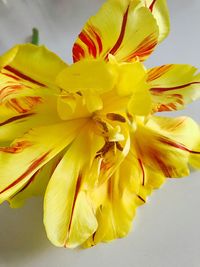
[86,134]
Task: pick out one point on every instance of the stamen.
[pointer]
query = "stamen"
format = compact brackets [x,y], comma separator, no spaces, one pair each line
[115,117]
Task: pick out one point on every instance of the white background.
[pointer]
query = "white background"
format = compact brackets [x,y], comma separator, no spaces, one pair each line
[166,232]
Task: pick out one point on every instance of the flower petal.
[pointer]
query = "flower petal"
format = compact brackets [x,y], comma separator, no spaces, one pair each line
[86,76]
[160,11]
[68,212]
[114,30]
[117,199]
[28,63]
[37,184]
[13,125]
[115,211]
[173,86]
[28,96]
[166,144]
[26,155]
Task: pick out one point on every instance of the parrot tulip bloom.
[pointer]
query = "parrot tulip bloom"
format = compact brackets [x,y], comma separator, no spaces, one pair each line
[85,134]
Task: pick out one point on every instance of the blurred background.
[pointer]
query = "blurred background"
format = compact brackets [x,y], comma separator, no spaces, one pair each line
[166,231]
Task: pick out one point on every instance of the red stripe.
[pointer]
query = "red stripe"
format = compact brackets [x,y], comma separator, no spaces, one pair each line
[77,189]
[178,145]
[121,36]
[27,184]
[157,72]
[16,148]
[30,169]
[15,118]
[85,38]
[164,89]
[152,5]
[141,198]
[23,76]
[11,76]
[98,38]
[143,172]
[144,49]
[78,52]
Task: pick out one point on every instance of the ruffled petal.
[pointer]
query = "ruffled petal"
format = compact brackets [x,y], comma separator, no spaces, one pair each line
[132,84]
[165,145]
[114,30]
[89,78]
[173,86]
[31,64]
[115,209]
[26,155]
[70,202]
[69,217]
[28,96]
[160,11]
[117,199]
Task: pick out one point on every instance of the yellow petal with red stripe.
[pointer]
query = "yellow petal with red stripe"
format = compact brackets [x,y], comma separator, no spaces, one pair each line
[44,112]
[32,64]
[165,145]
[160,11]
[173,86]
[117,199]
[69,217]
[26,155]
[121,28]
[28,95]
[37,184]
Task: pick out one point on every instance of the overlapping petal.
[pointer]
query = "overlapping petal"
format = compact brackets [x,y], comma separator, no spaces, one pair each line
[28,95]
[37,184]
[166,144]
[68,213]
[114,30]
[173,86]
[70,203]
[160,11]
[117,199]
[27,154]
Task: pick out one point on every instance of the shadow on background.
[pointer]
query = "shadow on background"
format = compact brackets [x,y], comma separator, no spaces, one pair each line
[22,234]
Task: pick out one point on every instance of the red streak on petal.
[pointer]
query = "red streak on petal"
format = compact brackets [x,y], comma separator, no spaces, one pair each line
[22,76]
[177,145]
[8,90]
[27,184]
[11,76]
[15,118]
[16,148]
[164,89]
[85,38]
[99,42]
[78,52]
[167,169]
[105,165]
[142,199]
[24,104]
[143,172]
[152,5]
[167,107]
[92,40]
[121,36]
[77,189]
[144,49]
[15,104]
[30,169]
[156,73]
